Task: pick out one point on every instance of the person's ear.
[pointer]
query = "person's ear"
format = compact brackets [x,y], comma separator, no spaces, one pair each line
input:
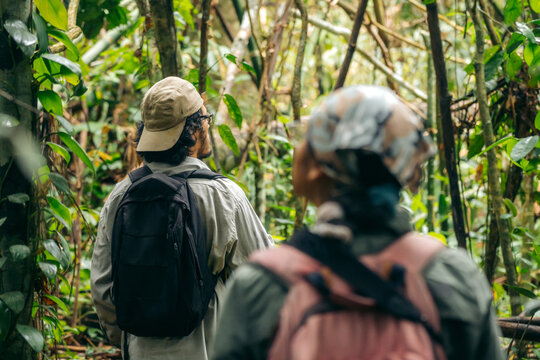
[315,173]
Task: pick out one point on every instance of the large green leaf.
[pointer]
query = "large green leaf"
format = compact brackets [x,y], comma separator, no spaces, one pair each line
[64,62]
[537,121]
[48,269]
[492,65]
[5,321]
[59,182]
[19,252]
[41,30]
[51,101]
[65,123]
[515,40]
[64,39]
[526,31]
[535,5]
[531,54]
[499,142]
[52,247]
[60,211]
[19,198]
[14,300]
[3,220]
[54,12]
[21,35]
[523,147]
[58,302]
[60,151]
[228,138]
[74,146]
[65,250]
[234,110]
[512,10]
[32,336]
[476,143]
[514,64]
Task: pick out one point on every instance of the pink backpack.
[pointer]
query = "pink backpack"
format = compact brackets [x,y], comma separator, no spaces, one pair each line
[323,318]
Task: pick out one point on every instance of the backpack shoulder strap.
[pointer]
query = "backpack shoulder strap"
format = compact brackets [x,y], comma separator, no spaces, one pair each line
[413,251]
[139,173]
[286,262]
[206,174]
[199,174]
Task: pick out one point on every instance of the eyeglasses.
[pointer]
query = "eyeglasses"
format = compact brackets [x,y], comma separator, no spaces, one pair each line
[209,117]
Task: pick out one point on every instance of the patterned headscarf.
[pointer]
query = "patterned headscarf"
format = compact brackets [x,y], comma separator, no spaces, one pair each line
[372,119]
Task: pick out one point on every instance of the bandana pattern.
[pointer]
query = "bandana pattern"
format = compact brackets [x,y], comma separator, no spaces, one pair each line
[373,119]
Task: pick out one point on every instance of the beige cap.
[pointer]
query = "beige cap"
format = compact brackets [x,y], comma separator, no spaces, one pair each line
[165,108]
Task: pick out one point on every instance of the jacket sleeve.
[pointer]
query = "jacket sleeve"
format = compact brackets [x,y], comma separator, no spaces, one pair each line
[232,227]
[250,233]
[464,300]
[101,271]
[249,315]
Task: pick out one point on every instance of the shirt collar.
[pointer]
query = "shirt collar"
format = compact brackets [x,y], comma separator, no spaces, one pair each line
[190,163]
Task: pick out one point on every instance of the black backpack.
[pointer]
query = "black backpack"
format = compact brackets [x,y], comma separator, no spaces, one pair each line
[161,280]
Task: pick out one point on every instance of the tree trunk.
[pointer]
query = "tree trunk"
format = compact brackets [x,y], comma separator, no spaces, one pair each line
[165,32]
[497,208]
[16,230]
[447,124]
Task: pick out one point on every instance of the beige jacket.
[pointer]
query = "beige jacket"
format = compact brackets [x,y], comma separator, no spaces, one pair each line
[233,232]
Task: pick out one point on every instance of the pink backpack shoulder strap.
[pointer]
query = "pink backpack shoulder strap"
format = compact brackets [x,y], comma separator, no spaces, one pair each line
[412,251]
[287,262]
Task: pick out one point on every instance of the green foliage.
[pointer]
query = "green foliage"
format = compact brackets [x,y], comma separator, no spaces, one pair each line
[32,336]
[21,35]
[234,110]
[99,101]
[94,14]
[51,101]
[228,138]
[74,146]
[512,10]
[54,12]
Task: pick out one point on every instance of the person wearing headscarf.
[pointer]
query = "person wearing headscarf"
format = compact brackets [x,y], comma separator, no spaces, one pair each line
[363,145]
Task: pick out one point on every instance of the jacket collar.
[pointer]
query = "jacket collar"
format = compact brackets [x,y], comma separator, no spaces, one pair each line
[190,163]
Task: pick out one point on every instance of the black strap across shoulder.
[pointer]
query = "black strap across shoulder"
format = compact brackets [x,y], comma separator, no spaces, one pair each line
[139,173]
[338,256]
[145,170]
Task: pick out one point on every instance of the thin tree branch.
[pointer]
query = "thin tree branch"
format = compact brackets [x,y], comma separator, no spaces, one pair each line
[296,96]
[203,69]
[352,44]
[341,31]
[447,129]
[489,24]
[223,22]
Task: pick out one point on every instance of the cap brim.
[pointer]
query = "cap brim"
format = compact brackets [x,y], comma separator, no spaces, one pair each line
[160,140]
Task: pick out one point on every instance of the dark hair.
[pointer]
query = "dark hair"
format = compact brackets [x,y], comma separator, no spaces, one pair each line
[179,151]
[372,200]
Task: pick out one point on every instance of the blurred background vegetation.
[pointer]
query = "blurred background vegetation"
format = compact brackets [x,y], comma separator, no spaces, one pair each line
[73,73]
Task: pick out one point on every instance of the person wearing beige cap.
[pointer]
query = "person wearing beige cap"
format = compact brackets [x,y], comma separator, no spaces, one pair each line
[173,138]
